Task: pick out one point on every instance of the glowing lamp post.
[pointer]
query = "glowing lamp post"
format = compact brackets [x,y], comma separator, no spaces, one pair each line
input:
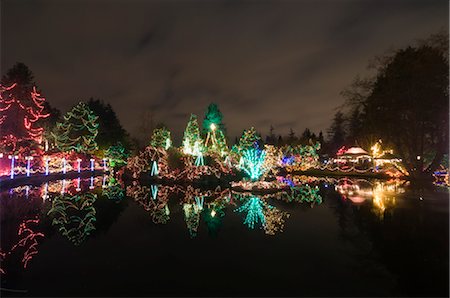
[92,164]
[79,165]
[28,159]
[105,168]
[64,165]
[47,159]
[12,157]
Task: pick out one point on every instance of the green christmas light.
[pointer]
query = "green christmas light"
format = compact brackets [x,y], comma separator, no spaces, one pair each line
[255,212]
[252,163]
[161,138]
[78,130]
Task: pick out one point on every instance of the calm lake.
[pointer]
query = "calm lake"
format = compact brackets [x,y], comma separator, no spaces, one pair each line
[324,237]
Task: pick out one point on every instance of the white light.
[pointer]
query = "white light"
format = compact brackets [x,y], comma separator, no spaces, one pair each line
[418,157]
[212,126]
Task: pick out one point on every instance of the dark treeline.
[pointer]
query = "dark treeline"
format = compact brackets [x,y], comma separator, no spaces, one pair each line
[405,103]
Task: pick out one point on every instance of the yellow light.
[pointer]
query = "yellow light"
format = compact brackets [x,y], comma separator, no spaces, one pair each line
[212,126]
[213,213]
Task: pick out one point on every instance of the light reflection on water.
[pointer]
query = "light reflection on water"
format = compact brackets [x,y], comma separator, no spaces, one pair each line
[71,208]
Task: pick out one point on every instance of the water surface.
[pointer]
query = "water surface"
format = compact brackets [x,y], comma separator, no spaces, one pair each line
[325,237]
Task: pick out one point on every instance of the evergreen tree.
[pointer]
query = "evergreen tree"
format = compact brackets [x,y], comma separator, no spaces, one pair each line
[78,130]
[337,132]
[192,141]
[110,131]
[22,112]
[248,140]
[161,138]
[213,116]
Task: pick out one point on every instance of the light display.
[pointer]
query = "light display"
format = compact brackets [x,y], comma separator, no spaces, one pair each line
[74,215]
[247,141]
[216,141]
[161,138]
[253,207]
[192,141]
[144,162]
[192,213]
[275,220]
[78,130]
[252,162]
[117,155]
[272,159]
[114,190]
[19,119]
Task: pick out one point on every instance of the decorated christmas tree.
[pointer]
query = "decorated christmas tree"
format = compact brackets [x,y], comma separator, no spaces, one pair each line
[21,112]
[117,155]
[161,138]
[192,141]
[78,130]
[213,116]
[247,141]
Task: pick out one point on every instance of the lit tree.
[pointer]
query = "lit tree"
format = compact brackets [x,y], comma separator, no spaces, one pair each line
[213,116]
[117,155]
[21,112]
[216,141]
[247,140]
[78,130]
[161,138]
[192,141]
[252,163]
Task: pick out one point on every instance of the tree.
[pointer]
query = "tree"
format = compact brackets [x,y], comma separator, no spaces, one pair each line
[192,141]
[292,139]
[407,105]
[110,131]
[117,155]
[161,138]
[78,130]
[336,133]
[248,139]
[213,116]
[22,111]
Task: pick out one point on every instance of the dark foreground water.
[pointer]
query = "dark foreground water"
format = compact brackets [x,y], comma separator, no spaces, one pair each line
[327,237]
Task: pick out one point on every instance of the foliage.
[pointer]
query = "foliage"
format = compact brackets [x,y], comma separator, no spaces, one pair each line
[213,116]
[161,138]
[110,131]
[78,130]
[22,111]
[252,163]
[117,155]
[406,105]
[192,141]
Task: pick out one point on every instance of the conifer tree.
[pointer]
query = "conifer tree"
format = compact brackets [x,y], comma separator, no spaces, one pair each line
[78,130]
[192,141]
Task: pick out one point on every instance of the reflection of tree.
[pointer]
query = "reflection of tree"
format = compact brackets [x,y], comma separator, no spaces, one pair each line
[27,242]
[274,220]
[20,224]
[74,216]
[192,213]
[305,193]
[255,213]
[114,190]
[153,199]
[260,212]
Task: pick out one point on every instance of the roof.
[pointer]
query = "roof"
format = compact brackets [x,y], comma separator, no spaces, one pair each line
[356,151]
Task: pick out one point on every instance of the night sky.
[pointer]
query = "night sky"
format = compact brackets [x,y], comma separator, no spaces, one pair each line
[282,63]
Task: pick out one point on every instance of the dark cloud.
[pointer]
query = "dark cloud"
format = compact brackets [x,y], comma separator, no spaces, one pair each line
[263,62]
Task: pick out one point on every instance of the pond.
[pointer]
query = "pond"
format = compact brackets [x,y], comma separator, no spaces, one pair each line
[323,237]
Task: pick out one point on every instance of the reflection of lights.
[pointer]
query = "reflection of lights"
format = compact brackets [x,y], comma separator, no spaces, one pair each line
[104,181]
[91,186]
[78,184]
[105,168]
[79,165]
[92,164]
[63,187]
[45,195]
